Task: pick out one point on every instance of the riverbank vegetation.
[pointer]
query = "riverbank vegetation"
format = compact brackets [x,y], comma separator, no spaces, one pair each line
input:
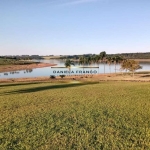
[11,65]
[80,115]
[126,64]
[11,61]
[139,56]
[22,57]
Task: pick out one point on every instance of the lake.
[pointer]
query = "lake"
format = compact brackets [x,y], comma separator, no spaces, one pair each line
[47,71]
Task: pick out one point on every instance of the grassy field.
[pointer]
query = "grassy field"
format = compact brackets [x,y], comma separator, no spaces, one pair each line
[79,116]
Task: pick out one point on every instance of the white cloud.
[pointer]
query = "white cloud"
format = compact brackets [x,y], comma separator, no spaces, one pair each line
[66,2]
[76,2]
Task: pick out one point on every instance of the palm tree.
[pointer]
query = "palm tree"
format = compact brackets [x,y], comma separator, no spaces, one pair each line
[68,64]
[109,61]
[103,58]
[98,60]
[82,61]
[89,61]
[86,61]
[92,60]
[116,59]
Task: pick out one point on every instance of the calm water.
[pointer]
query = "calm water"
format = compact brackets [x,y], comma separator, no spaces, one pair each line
[47,71]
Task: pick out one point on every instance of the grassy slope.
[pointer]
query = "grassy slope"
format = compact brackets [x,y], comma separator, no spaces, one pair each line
[106,115]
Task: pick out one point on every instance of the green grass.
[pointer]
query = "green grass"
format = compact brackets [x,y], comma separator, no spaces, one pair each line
[48,116]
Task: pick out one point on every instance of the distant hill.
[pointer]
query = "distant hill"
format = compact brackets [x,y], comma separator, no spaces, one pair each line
[134,55]
[125,55]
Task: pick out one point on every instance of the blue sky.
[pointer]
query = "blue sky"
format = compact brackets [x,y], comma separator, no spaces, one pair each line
[53,27]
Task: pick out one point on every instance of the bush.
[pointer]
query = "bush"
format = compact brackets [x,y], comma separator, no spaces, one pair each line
[62,75]
[52,77]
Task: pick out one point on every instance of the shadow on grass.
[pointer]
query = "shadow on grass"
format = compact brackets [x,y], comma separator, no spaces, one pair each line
[17,84]
[42,88]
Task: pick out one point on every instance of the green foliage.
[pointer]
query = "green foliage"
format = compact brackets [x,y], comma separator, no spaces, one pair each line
[68,63]
[130,65]
[62,76]
[102,55]
[124,55]
[4,61]
[43,116]
[52,76]
[136,55]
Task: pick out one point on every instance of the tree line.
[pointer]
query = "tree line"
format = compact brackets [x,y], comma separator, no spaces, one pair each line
[126,64]
[125,55]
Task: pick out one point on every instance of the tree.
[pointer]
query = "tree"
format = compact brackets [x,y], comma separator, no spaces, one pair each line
[90,60]
[131,65]
[68,64]
[124,65]
[103,58]
[62,76]
[109,61]
[82,61]
[117,59]
[96,59]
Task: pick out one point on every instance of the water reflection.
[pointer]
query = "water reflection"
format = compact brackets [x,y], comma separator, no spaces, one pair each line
[28,70]
[14,72]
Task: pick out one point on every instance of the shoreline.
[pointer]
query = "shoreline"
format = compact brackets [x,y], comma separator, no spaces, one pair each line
[84,78]
[9,68]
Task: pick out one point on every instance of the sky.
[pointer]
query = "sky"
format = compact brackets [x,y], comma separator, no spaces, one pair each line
[69,27]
